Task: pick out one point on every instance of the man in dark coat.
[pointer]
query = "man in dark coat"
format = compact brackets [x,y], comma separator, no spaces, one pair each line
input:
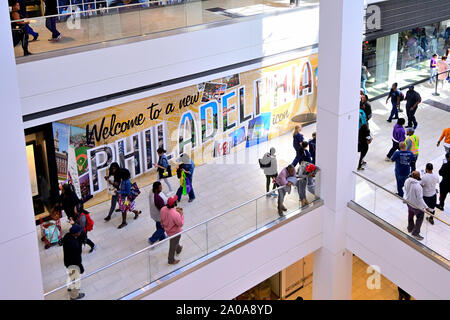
[72,261]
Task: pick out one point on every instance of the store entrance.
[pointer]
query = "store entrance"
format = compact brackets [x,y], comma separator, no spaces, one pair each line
[39,142]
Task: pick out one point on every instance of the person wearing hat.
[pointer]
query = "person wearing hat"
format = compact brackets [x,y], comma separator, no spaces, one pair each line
[172,220]
[412,144]
[187,166]
[305,172]
[413,99]
[72,260]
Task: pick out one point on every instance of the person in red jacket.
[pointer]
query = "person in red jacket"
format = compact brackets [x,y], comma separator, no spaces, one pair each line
[172,220]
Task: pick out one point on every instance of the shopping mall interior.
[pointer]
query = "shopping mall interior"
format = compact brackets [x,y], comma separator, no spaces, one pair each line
[272,126]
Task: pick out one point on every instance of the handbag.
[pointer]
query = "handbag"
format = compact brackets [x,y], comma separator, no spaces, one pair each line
[264,165]
[165,173]
[134,192]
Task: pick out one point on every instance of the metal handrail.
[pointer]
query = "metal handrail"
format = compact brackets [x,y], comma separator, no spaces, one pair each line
[166,239]
[400,198]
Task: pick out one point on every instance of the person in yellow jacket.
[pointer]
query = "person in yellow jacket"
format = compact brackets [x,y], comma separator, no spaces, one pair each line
[412,144]
[446,137]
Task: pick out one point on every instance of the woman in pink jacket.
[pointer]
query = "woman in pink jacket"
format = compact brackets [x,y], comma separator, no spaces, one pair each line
[442,67]
[172,220]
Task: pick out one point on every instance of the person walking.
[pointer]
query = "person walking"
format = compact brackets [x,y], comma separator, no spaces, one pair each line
[412,144]
[312,148]
[433,69]
[19,28]
[414,195]
[187,166]
[398,135]
[50,22]
[413,99]
[172,220]
[157,200]
[442,70]
[81,219]
[73,261]
[125,204]
[402,159]
[446,137]
[282,181]
[364,139]
[164,169]
[303,153]
[69,201]
[444,186]
[395,96]
[270,167]
[297,141]
[428,183]
[113,181]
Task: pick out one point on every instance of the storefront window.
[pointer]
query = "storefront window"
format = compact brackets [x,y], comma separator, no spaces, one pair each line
[403,57]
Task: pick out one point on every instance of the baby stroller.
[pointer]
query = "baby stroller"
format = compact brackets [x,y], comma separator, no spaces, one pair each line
[51,232]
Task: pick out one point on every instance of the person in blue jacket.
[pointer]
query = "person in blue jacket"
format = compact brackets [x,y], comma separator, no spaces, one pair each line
[297,142]
[124,192]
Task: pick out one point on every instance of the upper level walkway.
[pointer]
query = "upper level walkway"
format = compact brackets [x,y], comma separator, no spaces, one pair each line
[137,22]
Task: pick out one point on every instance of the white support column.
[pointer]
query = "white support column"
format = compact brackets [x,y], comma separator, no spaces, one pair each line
[20,267]
[340,41]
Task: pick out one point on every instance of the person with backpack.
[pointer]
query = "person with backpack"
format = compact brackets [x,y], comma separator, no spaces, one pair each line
[396,96]
[126,201]
[269,165]
[69,201]
[84,220]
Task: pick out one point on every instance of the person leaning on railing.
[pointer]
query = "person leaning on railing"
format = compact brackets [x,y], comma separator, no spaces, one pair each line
[19,30]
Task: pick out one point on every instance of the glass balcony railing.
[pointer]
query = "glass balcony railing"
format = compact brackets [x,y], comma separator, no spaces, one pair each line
[200,242]
[393,210]
[88,24]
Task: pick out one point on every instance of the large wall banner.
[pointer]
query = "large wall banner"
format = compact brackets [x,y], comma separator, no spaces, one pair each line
[207,120]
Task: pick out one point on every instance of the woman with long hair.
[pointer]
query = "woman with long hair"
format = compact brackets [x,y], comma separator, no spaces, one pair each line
[125,204]
[297,142]
[113,181]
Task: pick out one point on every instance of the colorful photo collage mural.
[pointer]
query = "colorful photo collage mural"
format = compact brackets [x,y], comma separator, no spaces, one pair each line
[207,120]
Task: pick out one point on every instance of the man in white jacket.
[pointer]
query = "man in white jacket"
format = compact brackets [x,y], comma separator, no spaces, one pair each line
[414,195]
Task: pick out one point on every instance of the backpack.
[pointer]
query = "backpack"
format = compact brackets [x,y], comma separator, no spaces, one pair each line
[362,118]
[89,221]
[262,166]
[402,96]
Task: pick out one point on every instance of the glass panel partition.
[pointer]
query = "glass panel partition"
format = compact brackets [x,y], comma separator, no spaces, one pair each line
[150,264]
[87,22]
[393,209]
